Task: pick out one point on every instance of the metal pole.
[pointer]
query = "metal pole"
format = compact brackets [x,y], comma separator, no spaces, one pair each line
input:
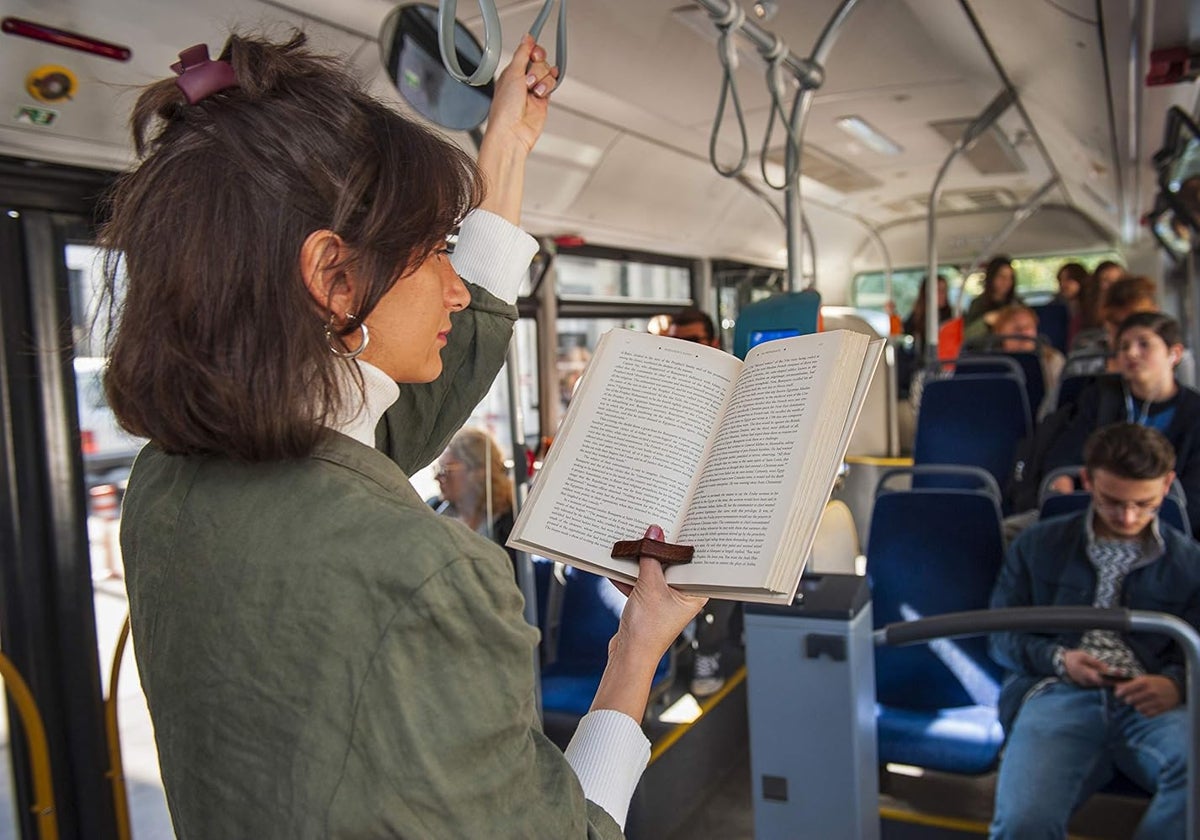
[810,73]
[1018,218]
[972,133]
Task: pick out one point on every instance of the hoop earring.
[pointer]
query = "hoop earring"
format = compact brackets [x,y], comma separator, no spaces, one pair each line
[333,340]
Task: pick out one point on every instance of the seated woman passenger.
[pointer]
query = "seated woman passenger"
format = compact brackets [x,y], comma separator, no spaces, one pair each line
[914,324]
[1088,333]
[476,489]
[1017,327]
[999,291]
[1148,346]
[1071,279]
[322,654]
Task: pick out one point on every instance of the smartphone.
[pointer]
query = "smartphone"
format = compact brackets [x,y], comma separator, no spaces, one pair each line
[1116,676]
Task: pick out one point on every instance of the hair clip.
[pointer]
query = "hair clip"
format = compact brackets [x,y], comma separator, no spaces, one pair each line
[201,76]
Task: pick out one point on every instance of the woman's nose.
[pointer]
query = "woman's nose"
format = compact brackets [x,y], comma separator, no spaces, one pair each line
[455,291]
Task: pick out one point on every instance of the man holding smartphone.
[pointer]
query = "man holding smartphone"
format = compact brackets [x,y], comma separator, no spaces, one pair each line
[1077,707]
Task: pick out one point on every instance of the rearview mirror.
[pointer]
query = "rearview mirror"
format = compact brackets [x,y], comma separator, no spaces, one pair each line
[1178,164]
[408,44]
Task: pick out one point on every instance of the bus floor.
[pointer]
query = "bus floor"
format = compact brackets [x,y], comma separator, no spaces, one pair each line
[932,806]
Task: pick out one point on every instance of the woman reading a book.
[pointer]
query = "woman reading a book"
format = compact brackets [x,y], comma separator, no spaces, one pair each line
[323,655]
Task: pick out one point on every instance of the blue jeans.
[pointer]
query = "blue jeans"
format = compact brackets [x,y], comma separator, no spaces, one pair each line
[1064,745]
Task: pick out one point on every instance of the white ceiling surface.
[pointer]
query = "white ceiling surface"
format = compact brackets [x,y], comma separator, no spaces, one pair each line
[624,159]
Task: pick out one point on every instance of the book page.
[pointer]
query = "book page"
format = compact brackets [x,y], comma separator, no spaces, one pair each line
[739,507]
[629,449]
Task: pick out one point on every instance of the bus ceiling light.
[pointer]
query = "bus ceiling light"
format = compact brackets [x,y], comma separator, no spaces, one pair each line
[861,130]
[764,10]
[63,38]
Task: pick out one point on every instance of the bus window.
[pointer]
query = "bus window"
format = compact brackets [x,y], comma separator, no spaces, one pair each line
[869,289]
[587,277]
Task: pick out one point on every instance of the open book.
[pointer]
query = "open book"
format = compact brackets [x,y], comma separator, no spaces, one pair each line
[735,458]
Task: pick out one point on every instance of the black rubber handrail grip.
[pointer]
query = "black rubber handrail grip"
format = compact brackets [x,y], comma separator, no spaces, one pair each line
[1018,619]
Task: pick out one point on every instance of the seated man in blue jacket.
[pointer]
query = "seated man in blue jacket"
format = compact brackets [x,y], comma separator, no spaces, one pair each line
[1076,706]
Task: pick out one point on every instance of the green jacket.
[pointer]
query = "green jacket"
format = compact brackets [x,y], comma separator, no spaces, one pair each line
[323,656]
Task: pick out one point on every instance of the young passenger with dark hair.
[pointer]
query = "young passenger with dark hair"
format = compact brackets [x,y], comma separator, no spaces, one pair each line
[323,655]
[1076,706]
[999,291]
[1148,347]
[692,324]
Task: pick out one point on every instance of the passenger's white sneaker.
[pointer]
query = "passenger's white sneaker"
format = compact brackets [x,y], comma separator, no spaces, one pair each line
[707,677]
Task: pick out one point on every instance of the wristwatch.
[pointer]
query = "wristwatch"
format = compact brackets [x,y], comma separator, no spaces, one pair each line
[1060,663]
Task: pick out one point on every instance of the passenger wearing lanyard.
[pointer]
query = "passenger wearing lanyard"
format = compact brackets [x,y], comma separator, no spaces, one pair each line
[1148,346]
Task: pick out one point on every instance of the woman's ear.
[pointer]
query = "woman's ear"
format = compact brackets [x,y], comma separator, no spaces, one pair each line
[323,258]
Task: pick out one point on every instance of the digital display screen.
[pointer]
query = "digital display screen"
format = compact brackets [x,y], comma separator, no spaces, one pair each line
[759,336]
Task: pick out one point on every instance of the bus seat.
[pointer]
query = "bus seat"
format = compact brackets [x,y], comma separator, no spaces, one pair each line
[835,548]
[936,704]
[591,610]
[1029,365]
[1054,321]
[973,420]
[779,316]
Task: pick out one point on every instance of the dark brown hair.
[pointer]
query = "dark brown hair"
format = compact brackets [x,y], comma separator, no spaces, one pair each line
[1129,291]
[1130,451]
[218,346]
[1091,296]
[989,280]
[692,315]
[1164,326]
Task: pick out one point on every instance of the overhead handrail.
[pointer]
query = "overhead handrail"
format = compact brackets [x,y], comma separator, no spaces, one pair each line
[493,40]
[775,86]
[811,75]
[729,23]
[1019,216]
[39,751]
[970,135]
[116,768]
[560,42]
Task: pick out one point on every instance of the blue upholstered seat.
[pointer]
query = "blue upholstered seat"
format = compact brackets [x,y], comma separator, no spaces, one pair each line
[590,611]
[936,550]
[974,420]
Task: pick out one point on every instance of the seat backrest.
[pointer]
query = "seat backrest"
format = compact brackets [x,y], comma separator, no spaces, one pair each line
[779,316]
[972,419]
[1028,364]
[1054,321]
[918,569]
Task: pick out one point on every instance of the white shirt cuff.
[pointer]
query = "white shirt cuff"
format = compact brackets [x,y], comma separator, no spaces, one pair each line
[493,254]
[608,753]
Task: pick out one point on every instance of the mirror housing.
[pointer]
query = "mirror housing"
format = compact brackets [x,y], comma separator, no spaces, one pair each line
[411,55]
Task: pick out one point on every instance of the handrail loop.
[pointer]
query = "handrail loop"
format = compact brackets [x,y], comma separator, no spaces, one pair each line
[560,43]
[492,41]
[775,56]
[728,24]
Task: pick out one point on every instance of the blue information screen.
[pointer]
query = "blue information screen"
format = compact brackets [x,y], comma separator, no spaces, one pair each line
[759,336]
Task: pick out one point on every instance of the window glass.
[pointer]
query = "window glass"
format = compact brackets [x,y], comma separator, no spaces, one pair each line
[869,290]
[600,278]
